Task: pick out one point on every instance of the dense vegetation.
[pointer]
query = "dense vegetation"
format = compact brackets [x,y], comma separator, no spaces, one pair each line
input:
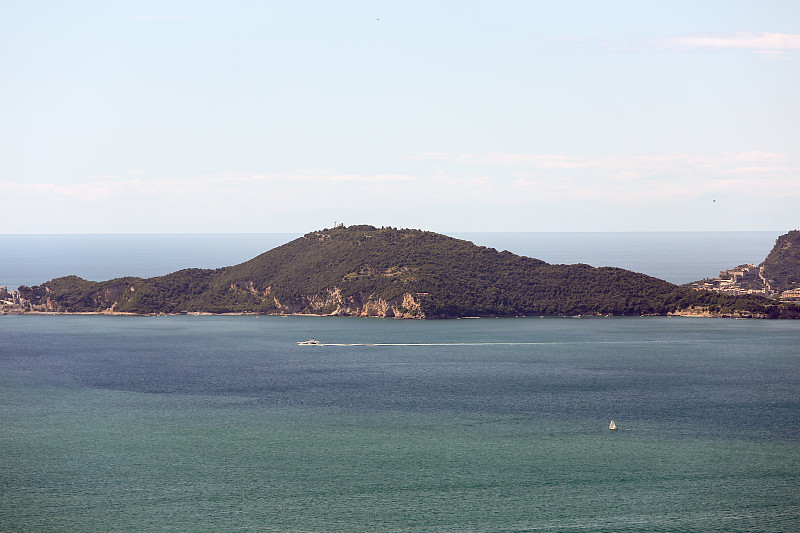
[782,265]
[411,273]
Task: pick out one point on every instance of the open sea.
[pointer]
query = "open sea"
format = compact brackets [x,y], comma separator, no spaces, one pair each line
[205,423]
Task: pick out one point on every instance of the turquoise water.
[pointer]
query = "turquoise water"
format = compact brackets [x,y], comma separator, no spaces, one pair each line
[225,424]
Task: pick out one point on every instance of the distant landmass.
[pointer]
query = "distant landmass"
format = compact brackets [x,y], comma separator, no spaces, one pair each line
[402,273]
[782,265]
[777,276]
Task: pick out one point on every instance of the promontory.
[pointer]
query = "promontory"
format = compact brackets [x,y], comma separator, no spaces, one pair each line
[387,272]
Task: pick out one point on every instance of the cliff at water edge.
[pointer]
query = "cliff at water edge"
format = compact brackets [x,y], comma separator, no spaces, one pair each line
[387,272]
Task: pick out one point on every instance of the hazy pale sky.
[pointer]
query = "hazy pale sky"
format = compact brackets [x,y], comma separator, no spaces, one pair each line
[446,115]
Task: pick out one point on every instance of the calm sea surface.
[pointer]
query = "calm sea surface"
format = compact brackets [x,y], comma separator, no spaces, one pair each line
[677,257]
[225,424]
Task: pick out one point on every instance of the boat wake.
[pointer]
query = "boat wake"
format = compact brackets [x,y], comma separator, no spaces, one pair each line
[435,343]
[317,343]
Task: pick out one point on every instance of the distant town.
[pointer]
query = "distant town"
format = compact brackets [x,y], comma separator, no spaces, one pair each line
[744,279]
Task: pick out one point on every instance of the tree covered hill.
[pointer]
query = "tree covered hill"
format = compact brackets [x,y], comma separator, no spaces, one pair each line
[367,271]
[782,265]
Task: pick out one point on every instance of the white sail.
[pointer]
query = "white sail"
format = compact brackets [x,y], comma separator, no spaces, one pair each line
[612,426]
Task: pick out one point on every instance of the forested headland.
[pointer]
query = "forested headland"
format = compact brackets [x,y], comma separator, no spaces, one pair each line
[782,265]
[389,272]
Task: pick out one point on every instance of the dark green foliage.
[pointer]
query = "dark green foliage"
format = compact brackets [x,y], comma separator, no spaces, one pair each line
[191,290]
[76,295]
[782,265]
[348,267]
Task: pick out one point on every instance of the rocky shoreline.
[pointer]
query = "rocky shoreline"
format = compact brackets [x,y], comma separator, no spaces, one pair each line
[363,271]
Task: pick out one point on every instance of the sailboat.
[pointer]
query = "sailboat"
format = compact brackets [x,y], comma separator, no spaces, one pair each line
[612,426]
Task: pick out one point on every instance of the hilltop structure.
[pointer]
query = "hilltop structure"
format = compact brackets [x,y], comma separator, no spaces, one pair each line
[389,272]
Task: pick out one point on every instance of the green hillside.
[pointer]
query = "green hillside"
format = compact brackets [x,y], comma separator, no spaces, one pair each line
[366,271]
[782,265]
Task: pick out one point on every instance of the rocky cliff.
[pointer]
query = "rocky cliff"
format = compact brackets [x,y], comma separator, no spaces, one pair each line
[386,272]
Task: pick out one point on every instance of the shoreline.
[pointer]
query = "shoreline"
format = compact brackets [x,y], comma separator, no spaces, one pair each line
[676,314]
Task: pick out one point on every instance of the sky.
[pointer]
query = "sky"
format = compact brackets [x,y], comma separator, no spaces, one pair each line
[445,115]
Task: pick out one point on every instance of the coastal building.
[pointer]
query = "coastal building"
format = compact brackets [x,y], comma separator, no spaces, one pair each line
[741,280]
